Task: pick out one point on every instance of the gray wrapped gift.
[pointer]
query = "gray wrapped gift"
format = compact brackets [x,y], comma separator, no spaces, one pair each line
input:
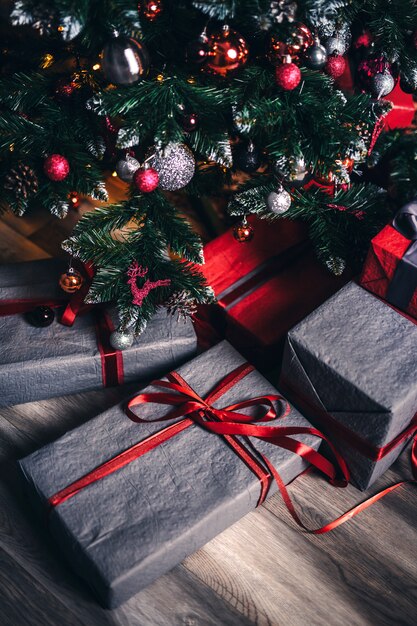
[354,360]
[39,363]
[127,529]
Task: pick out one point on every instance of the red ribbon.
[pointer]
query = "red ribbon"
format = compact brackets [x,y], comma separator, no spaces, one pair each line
[229,422]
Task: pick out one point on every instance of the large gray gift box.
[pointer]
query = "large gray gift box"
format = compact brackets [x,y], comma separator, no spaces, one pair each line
[355,359]
[129,528]
[39,363]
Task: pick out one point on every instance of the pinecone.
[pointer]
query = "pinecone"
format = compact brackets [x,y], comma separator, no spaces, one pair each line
[22,180]
[336,265]
[181,305]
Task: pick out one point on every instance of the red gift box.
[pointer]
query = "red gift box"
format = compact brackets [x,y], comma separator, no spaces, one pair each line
[387,251]
[402,112]
[266,286]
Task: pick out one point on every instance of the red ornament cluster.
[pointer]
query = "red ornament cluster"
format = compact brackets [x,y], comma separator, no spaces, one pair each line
[146,179]
[56,167]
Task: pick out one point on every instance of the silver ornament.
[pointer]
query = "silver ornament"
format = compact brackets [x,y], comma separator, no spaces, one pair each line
[175,165]
[316,56]
[292,169]
[382,84]
[278,201]
[125,61]
[120,340]
[335,45]
[126,168]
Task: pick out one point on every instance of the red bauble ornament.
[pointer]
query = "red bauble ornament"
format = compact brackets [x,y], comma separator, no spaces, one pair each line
[228,51]
[56,167]
[288,76]
[276,50]
[295,42]
[335,65]
[299,39]
[364,40]
[190,122]
[146,179]
[150,8]
[243,232]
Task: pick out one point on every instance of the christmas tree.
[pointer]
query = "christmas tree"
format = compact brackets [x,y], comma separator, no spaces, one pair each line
[278,105]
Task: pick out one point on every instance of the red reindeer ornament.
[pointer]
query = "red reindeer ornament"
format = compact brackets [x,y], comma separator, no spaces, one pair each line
[140,293]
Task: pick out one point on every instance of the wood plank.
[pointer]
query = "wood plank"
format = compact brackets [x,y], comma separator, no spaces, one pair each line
[25,601]
[360,574]
[28,223]
[15,248]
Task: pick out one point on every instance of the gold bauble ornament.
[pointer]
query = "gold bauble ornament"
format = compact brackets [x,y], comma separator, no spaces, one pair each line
[71,281]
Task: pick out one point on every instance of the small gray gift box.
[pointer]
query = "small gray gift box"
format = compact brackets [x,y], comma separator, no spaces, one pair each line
[130,527]
[351,366]
[39,363]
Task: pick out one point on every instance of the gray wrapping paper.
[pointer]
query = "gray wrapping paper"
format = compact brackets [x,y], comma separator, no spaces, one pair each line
[355,357]
[39,363]
[124,531]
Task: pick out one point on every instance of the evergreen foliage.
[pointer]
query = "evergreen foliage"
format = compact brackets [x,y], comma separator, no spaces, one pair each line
[62,41]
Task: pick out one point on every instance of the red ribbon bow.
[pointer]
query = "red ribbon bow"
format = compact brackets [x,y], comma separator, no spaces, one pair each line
[229,422]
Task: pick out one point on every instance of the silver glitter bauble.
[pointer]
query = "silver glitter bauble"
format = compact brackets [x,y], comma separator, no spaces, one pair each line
[120,340]
[125,61]
[175,165]
[292,169]
[278,201]
[335,45]
[382,84]
[316,56]
[126,168]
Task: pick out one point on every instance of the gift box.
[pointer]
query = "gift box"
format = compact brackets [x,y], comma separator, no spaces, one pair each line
[390,270]
[350,366]
[39,363]
[403,110]
[125,512]
[267,285]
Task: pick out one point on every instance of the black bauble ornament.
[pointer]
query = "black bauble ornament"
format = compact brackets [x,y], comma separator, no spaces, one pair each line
[40,317]
[125,61]
[247,158]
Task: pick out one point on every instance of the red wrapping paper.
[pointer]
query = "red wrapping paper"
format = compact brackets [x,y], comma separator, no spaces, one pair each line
[385,253]
[292,284]
[402,113]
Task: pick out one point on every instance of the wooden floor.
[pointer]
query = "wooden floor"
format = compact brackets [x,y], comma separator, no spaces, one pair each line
[262,571]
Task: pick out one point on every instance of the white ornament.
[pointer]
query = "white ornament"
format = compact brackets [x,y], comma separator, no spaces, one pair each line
[120,340]
[279,201]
